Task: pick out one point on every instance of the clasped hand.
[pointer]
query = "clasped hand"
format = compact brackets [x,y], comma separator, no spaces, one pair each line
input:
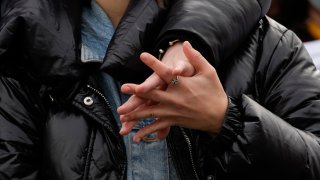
[197,101]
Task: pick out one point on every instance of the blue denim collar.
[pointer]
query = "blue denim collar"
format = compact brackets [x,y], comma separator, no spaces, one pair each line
[96,33]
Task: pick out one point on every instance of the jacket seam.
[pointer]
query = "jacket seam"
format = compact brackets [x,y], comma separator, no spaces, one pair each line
[89,155]
[307,161]
[270,59]
[96,164]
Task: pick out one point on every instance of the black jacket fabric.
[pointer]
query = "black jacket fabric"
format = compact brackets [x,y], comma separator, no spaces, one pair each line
[48,131]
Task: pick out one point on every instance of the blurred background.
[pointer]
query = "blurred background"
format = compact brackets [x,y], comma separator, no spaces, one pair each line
[302,17]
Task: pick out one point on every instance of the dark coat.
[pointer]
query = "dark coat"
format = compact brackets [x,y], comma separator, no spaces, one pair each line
[48,131]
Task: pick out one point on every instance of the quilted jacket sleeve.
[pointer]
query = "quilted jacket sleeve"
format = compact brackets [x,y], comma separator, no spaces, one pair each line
[20,141]
[215,28]
[279,137]
[208,24]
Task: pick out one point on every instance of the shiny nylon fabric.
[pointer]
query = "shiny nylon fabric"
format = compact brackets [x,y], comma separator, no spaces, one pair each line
[25,25]
[274,141]
[121,62]
[20,140]
[58,24]
[66,139]
[285,81]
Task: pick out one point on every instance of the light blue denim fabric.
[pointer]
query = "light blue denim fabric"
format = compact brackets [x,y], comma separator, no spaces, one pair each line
[96,32]
[146,160]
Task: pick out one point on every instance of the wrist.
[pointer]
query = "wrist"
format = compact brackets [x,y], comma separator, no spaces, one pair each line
[172,45]
[219,117]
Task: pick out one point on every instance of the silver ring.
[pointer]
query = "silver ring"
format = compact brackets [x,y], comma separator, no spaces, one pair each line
[175,80]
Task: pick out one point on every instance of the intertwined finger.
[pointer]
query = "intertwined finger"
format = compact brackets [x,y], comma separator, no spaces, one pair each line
[127,127]
[161,69]
[158,96]
[132,103]
[156,126]
[152,82]
[195,57]
[144,112]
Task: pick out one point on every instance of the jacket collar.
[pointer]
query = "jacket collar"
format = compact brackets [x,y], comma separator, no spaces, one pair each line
[136,33]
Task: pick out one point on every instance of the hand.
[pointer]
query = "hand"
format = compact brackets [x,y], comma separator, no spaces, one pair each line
[197,102]
[179,63]
[174,58]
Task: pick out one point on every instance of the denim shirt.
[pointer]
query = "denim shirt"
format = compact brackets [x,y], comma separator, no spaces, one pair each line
[148,159]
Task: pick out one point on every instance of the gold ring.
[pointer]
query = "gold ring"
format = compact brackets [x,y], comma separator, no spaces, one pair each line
[149,139]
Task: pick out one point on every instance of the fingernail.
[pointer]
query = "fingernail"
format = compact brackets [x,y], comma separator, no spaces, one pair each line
[127,89]
[121,131]
[136,140]
[143,54]
[189,44]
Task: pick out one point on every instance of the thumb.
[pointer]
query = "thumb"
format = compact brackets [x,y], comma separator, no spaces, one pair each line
[195,58]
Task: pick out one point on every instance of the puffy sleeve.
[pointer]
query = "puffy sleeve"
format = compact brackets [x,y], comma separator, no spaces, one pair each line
[215,28]
[274,134]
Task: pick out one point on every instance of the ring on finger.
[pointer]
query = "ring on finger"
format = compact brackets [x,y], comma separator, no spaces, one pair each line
[175,80]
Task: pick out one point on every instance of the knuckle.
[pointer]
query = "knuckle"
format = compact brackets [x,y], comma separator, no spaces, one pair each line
[167,71]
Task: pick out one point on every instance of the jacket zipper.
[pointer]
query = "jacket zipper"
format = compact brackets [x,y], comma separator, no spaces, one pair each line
[190,152]
[109,106]
[100,94]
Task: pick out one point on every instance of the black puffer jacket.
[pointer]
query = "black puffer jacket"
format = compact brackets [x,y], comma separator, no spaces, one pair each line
[48,131]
